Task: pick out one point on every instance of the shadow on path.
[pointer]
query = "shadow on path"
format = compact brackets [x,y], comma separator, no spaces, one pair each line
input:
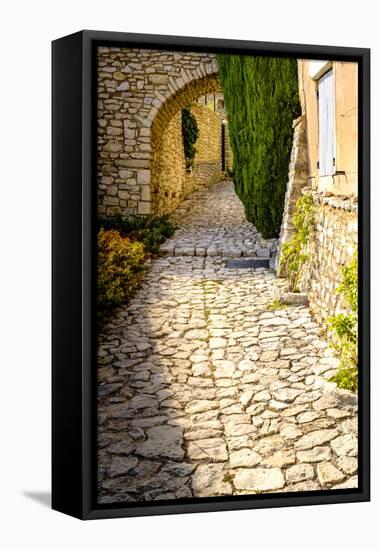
[207,387]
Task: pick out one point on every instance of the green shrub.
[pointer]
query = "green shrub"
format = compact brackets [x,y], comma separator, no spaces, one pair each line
[344,328]
[230,173]
[261,100]
[152,231]
[120,266]
[293,253]
[190,133]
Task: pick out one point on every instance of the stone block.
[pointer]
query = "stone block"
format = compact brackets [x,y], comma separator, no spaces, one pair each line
[145,193]
[158,78]
[118,75]
[123,87]
[113,147]
[112,190]
[125,174]
[129,133]
[143,177]
[144,208]
[114,131]
[135,163]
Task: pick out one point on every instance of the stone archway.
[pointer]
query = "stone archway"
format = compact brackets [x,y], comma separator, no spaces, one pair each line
[139,92]
[169,180]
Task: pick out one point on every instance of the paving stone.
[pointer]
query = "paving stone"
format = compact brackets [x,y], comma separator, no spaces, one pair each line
[259,479]
[287,395]
[200,405]
[263,395]
[213,449]
[224,369]
[280,459]
[162,441]
[307,416]
[328,474]
[351,483]
[202,390]
[345,445]
[348,464]
[211,480]
[121,465]
[317,454]
[244,458]
[299,472]
[313,439]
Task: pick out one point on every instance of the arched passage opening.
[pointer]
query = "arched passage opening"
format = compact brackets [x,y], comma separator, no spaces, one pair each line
[170,181]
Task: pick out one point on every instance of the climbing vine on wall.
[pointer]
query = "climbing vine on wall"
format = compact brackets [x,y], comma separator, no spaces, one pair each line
[261,99]
[294,252]
[344,328]
[190,133]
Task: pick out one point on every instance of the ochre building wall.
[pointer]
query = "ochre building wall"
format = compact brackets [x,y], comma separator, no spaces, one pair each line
[335,236]
[345,180]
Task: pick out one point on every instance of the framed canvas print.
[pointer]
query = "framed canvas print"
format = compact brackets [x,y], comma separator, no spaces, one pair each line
[210,274]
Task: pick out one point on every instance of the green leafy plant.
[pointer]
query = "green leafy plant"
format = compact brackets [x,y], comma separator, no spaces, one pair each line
[294,253]
[261,100]
[120,267]
[151,231]
[277,304]
[190,133]
[344,328]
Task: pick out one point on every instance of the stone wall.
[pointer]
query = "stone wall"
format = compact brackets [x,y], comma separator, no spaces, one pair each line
[169,168]
[297,180]
[335,236]
[139,92]
[172,183]
[332,246]
[207,167]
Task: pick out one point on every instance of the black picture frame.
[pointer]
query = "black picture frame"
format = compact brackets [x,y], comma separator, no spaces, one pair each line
[73,272]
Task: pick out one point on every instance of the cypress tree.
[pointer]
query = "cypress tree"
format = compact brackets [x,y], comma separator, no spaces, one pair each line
[261,100]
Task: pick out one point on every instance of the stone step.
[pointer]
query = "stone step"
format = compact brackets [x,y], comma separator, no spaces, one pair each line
[170,249]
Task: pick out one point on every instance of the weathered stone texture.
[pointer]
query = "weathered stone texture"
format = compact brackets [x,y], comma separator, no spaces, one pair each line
[205,391]
[297,180]
[207,168]
[139,92]
[333,244]
[334,239]
[171,181]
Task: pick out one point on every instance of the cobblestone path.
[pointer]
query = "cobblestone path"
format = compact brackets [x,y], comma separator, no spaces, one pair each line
[211,222]
[204,390]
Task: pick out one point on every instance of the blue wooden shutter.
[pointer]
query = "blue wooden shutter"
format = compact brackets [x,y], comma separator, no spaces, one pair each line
[326,124]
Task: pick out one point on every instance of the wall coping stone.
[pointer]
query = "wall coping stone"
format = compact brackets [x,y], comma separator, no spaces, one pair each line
[340,202]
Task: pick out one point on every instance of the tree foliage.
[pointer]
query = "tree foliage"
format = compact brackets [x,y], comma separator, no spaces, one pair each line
[344,328]
[150,230]
[190,133]
[261,100]
[120,267]
[294,252]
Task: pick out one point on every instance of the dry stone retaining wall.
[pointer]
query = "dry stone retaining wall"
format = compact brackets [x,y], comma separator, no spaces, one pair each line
[335,236]
[139,92]
[333,244]
[297,180]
